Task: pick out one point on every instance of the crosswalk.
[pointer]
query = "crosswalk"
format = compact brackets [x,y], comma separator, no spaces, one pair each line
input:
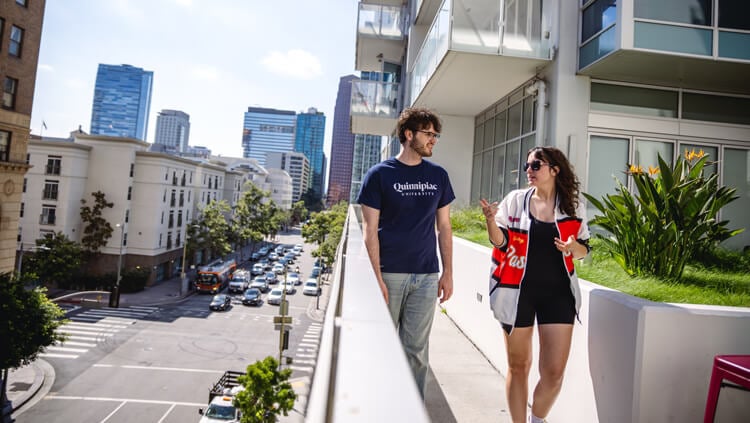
[307,350]
[86,330]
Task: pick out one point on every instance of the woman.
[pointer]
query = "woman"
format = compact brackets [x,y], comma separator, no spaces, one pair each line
[537,232]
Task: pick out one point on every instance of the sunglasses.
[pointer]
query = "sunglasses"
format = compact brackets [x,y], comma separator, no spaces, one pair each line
[534,165]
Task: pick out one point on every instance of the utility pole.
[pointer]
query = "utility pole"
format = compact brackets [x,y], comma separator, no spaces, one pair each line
[282,319]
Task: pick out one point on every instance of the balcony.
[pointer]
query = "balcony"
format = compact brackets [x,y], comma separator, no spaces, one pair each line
[475,52]
[683,47]
[374,107]
[380,36]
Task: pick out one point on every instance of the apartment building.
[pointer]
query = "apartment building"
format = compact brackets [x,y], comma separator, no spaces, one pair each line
[297,166]
[20,36]
[155,196]
[610,83]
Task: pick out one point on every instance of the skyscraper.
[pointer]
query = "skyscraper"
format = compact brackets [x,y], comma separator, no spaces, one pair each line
[173,130]
[367,153]
[265,130]
[309,138]
[342,144]
[122,98]
[296,165]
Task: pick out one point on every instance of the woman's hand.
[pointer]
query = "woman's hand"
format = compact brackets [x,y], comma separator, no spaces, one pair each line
[488,209]
[567,247]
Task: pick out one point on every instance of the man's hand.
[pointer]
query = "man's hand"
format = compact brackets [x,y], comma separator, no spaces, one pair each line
[384,290]
[445,287]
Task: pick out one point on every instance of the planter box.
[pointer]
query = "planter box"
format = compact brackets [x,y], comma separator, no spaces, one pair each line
[632,360]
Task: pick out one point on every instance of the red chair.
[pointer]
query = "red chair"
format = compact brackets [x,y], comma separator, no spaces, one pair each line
[734,368]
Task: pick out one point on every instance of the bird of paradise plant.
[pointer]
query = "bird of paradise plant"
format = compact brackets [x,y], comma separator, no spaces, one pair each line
[672,217]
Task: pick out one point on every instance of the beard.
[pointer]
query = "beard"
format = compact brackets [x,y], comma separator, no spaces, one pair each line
[422,150]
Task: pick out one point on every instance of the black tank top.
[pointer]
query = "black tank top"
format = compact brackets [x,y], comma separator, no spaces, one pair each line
[544,265]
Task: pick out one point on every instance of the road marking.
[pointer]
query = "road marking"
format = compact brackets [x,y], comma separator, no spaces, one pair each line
[307,344]
[96,325]
[304,361]
[76,344]
[65,349]
[58,355]
[140,401]
[81,338]
[103,365]
[114,411]
[167,413]
[304,355]
[301,368]
[172,369]
[81,332]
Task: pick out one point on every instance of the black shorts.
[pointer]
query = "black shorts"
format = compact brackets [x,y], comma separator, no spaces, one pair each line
[557,306]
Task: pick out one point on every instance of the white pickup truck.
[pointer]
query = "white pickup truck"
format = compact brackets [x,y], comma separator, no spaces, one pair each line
[220,407]
[240,281]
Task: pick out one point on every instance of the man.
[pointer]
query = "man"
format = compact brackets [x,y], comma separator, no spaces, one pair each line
[403,200]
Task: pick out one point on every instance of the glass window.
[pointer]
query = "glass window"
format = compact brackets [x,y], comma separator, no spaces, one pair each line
[736,171]
[695,12]
[478,134]
[711,166]
[48,215]
[529,110]
[2,26]
[50,190]
[514,120]
[633,100]
[501,122]
[21,2]
[673,38]
[734,45]
[476,174]
[16,41]
[647,153]
[489,129]
[733,14]
[716,108]
[496,193]
[608,158]
[4,146]
[484,191]
[10,88]
[597,16]
[512,163]
[597,48]
[527,143]
[53,165]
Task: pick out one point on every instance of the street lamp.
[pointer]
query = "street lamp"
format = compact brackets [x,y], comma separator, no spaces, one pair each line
[114,297]
[183,275]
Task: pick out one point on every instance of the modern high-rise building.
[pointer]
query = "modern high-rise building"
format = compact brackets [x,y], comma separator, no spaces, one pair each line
[367,153]
[265,130]
[342,144]
[296,165]
[122,99]
[173,130]
[20,35]
[309,138]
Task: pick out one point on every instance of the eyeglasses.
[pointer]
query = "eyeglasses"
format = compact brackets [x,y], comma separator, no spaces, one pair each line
[534,165]
[430,134]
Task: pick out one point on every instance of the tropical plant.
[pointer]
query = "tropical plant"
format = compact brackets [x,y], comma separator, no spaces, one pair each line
[28,323]
[267,392]
[673,216]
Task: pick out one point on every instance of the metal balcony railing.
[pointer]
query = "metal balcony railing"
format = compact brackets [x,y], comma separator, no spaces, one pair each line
[374,98]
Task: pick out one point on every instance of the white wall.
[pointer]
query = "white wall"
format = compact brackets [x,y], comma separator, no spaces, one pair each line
[453,151]
[632,360]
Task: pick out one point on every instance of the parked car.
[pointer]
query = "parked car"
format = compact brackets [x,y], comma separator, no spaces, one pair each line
[257,269]
[273,256]
[279,268]
[311,287]
[252,297]
[274,297]
[315,272]
[271,278]
[293,277]
[240,281]
[220,302]
[289,285]
[260,283]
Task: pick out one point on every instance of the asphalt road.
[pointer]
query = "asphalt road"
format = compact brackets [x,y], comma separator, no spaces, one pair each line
[156,364]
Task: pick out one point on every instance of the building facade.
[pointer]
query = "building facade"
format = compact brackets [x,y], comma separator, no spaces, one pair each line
[173,130]
[342,144]
[367,153]
[297,166]
[309,138]
[609,83]
[267,130]
[20,37]
[122,99]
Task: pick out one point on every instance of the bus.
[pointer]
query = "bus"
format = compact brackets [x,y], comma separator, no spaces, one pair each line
[215,276]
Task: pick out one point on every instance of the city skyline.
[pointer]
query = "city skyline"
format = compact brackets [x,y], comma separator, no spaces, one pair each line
[291,69]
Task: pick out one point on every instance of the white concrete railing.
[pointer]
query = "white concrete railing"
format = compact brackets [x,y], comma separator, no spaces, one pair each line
[362,374]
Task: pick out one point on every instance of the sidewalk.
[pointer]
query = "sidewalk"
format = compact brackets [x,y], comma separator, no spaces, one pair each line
[462,385]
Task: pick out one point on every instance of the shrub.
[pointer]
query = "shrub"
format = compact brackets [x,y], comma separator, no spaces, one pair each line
[134,280]
[670,220]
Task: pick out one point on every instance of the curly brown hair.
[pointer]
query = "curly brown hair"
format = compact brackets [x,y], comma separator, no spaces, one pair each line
[415,119]
[566,181]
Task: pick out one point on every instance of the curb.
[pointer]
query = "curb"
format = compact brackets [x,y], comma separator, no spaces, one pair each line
[44,376]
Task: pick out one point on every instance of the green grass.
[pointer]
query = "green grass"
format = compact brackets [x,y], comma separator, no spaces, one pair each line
[723,279]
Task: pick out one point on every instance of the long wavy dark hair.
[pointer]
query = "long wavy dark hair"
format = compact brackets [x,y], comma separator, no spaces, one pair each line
[566,182]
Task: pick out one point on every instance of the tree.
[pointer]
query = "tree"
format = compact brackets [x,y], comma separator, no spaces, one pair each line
[251,217]
[28,323]
[267,392]
[298,213]
[57,259]
[96,230]
[313,201]
[324,229]
[215,229]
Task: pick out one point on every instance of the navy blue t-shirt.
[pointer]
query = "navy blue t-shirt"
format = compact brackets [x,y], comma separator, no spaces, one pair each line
[408,198]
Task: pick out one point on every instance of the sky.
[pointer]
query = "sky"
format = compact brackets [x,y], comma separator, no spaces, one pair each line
[211,59]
